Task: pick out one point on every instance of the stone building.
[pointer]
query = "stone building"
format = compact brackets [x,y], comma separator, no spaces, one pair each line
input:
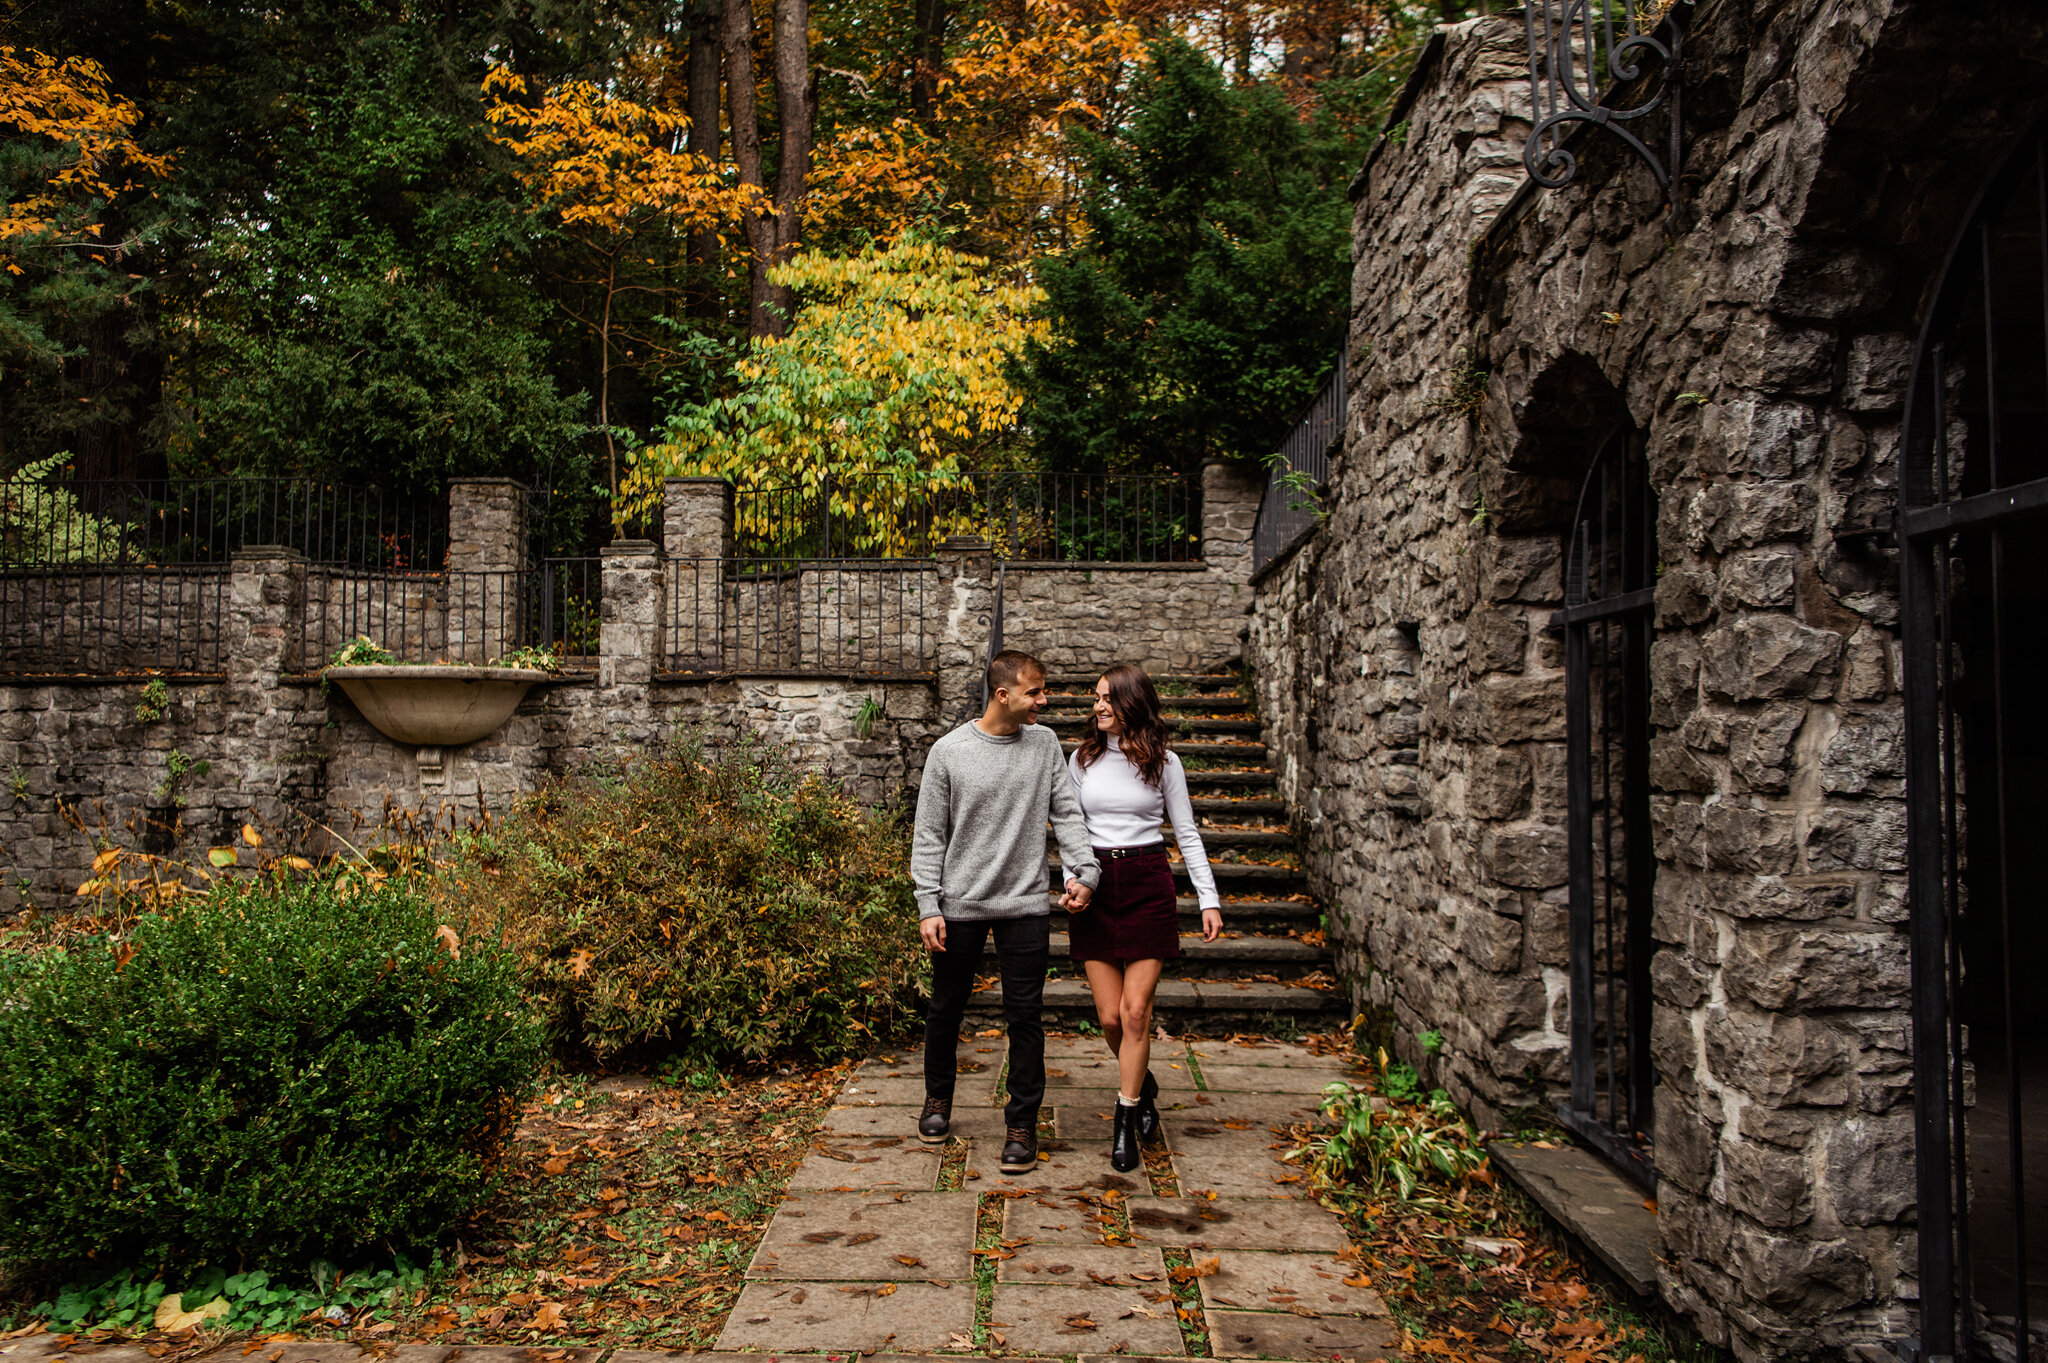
[1594,690]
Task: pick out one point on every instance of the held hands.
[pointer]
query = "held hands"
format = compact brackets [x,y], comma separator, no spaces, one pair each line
[933,930]
[1077,896]
[1212,924]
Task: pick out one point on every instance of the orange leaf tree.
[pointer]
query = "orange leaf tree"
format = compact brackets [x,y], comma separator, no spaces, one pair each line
[605,175]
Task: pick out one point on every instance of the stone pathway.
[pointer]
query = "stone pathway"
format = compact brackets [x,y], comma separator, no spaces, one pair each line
[876,1247]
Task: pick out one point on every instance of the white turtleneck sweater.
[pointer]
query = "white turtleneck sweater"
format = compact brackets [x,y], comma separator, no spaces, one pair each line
[1122,811]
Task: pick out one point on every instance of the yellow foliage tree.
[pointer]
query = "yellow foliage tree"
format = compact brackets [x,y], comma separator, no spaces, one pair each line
[67,106]
[998,126]
[605,170]
[892,382]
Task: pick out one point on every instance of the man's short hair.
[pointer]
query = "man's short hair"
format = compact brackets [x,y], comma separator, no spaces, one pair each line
[1009,667]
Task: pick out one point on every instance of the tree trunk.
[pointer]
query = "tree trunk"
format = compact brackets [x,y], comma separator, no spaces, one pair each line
[796,103]
[771,234]
[702,108]
[928,54]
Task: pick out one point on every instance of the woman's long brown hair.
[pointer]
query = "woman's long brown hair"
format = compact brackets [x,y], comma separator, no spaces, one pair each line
[1135,703]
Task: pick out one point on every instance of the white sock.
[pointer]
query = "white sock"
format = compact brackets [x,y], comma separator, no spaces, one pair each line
[1122,1101]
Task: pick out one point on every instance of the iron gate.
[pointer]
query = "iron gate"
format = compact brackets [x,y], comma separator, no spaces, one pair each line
[1974,584]
[1607,618]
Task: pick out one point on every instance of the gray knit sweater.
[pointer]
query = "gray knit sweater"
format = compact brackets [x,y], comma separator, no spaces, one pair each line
[979,847]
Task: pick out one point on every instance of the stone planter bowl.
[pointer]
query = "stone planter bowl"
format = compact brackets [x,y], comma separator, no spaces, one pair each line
[436,707]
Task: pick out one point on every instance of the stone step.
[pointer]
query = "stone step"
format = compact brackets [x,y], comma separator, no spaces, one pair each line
[1246,809]
[1078,724]
[1213,838]
[1170,704]
[1247,954]
[1244,913]
[1228,874]
[1249,752]
[1085,681]
[1202,1005]
[1232,778]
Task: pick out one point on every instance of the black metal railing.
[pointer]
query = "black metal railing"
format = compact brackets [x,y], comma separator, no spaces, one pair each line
[84,621]
[1029,515]
[833,617]
[1973,567]
[50,522]
[1299,472]
[455,617]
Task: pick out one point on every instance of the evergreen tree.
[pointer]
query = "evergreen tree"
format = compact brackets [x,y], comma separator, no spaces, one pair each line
[1210,294]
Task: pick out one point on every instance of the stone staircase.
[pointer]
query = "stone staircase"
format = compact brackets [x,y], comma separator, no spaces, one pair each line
[1271,970]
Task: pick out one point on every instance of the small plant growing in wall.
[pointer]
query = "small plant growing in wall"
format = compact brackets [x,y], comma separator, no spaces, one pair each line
[17,785]
[155,702]
[1463,391]
[177,767]
[867,716]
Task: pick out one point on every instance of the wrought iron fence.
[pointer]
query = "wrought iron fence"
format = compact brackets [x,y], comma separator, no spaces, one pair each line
[1104,518]
[52,523]
[1300,471]
[113,621]
[837,617]
[460,617]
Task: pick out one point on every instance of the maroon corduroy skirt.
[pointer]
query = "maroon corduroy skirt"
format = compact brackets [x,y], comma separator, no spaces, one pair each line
[1133,916]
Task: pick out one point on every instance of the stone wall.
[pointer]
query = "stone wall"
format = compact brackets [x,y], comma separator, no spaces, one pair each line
[1413,691]
[857,668]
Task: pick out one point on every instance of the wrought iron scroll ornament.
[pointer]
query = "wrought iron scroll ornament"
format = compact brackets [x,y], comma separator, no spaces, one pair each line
[1567,45]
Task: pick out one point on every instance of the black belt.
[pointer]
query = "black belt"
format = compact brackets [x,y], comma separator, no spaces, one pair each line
[1117,853]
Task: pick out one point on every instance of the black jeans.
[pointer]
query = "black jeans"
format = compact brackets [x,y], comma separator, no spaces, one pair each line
[1022,945]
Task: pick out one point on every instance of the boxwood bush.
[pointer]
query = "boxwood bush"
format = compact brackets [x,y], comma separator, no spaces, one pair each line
[268,1074]
[707,904]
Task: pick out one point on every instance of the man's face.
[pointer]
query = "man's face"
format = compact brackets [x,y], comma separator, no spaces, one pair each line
[1023,701]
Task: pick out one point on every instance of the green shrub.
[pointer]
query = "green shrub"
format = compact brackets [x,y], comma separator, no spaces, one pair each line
[714,905]
[270,1073]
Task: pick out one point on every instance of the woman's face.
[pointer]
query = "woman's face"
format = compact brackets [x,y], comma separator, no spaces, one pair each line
[1105,713]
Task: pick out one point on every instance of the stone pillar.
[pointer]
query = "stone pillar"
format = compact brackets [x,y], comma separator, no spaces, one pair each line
[697,532]
[629,633]
[486,550]
[1231,492]
[696,518]
[960,611]
[266,589]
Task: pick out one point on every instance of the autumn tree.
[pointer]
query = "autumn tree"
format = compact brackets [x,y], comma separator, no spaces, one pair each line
[896,368]
[600,170]
[68,153]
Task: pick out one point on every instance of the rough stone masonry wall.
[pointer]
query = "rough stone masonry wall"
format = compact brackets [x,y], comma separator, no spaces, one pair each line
[677,651]
[1415,700]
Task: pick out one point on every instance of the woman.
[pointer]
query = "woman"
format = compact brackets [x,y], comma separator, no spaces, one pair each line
[1127,782]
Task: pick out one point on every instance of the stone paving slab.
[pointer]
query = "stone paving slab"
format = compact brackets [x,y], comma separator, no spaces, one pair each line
[889,1162]
[1103,1265]
[1257,1280]
[1042,1318]
[869,1123]
[1098,1072]
[1265,1052]
[1235,1223]
[1261,1109]
[100,1353]
[1261,1334]
[496,1353]
[1065,1219]
[791,1317]
[1221,1078]
[1239,1167]
[1592,1201]
[846,1236]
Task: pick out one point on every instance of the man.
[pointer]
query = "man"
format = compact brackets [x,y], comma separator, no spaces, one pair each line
[978,862]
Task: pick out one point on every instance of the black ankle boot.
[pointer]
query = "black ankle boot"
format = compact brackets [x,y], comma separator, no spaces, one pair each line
[1147,1119]
[1123,1140]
